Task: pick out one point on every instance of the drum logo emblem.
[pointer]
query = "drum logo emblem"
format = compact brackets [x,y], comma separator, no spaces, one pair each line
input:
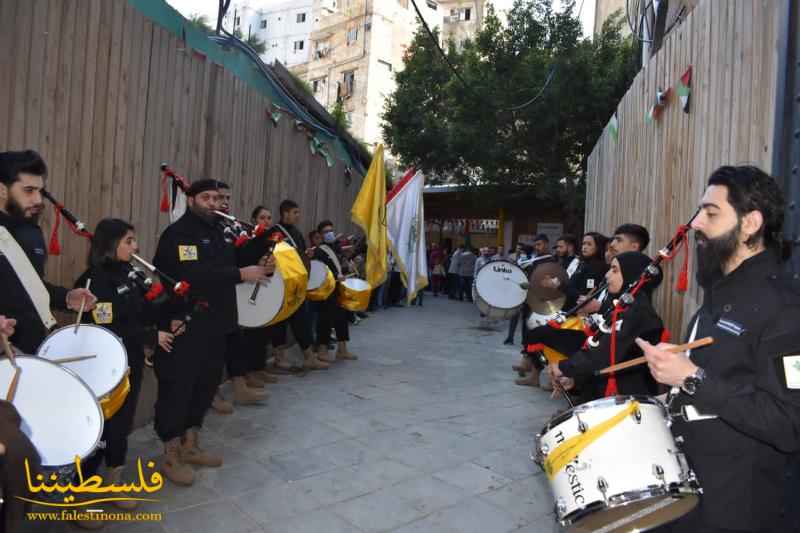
[499,268]
[103,313]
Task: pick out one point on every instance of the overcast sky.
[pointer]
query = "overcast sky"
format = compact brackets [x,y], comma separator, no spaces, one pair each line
[209,8]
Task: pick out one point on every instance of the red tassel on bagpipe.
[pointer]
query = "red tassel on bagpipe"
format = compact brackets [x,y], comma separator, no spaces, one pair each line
[611,385]
[155,291]
[55,247]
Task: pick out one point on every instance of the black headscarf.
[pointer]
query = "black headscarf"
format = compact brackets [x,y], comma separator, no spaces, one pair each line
[632,264]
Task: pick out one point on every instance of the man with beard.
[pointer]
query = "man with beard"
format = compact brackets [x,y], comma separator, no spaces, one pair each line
[738,400]
[22,180]
[565,251]
[193,249]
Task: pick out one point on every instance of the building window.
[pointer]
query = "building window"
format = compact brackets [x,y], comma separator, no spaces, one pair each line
[352,35]
[298,45]
[264,24]
[347,85]
[467,13]
[432,5]
[317,84]
[301,17]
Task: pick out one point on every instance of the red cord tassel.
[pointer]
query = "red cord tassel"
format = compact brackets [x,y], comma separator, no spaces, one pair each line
[55,247]
[164,195]
[611,385]
[682,285]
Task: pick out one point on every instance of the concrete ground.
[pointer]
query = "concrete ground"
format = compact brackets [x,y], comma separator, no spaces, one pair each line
[425,433]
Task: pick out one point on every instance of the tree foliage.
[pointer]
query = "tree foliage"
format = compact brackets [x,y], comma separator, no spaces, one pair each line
[471,134]
[201,22]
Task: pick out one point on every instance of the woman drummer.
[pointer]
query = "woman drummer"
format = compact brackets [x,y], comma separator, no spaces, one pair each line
[639,320]
[122,309]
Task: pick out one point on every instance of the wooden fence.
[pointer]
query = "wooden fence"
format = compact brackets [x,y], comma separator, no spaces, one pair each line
[106,95]
[654,173]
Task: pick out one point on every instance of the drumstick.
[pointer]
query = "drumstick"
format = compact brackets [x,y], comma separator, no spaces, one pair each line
[83,305]
[12,388]
[73,359]
[705,341]
[9,350]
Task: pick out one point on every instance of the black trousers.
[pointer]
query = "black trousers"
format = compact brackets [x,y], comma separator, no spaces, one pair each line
[188,378]
[300,322]
[117,428]
[331,315]
[254,343]
[236,359]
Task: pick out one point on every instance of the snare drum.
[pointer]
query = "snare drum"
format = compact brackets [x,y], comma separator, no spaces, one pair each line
[276,299]
[498,289]
[321,282]
[60,413]
[353,294]
[106,374]
[613,466]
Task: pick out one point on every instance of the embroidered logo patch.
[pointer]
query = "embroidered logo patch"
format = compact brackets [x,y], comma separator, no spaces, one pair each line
[590,283]
[791,368]
[734,328]
[103,313]
[187,253]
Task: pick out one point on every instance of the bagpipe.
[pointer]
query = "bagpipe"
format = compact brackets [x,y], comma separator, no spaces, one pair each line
[73,222]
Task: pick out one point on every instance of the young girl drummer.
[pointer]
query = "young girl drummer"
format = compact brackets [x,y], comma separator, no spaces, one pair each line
[123,309]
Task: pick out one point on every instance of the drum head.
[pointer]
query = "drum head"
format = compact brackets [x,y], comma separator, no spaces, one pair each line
[500,284]
[102,373]
[319,271]
[356,284]
[60,414]
[640,515]
[268,302]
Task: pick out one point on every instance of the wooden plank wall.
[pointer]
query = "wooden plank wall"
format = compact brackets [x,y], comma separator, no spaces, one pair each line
[106,95]
[655,174]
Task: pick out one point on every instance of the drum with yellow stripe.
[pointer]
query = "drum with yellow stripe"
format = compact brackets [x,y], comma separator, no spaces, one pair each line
[353,294]
[272,301]
[321,282]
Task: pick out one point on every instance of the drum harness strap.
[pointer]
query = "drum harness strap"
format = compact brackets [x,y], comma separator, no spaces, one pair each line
[568,450]
[288,236]
[330,253]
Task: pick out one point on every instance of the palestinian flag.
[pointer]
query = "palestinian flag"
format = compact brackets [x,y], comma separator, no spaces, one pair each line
[684,89]
[613,126]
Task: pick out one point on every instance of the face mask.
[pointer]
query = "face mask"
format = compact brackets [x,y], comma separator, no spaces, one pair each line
[329,237]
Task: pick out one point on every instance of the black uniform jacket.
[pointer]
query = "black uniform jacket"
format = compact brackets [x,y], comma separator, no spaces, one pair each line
[14,299]
[590,274]
[639,320]
[321,255]
[121,308]
[740,457]
[195,251]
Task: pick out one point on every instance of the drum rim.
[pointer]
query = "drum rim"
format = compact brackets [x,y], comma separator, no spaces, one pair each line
[478,294]
[250,285]
[100,414]
[675,490]
[105,330]
[615,400]
[311,266]
[348,281]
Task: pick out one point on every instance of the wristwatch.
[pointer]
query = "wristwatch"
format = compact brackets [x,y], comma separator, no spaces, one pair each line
[691,383]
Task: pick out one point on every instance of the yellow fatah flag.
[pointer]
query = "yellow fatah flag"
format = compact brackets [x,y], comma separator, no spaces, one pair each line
[369,213]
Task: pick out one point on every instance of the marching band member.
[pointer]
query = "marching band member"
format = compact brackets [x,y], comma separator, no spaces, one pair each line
[236,362]
[123,309]
[194,249]
[22,179]
[737,402]
[566,247]
[300,320]
[639,320]
[331,313]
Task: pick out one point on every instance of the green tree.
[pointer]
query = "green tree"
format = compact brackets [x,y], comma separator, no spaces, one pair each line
[201,22]
[252,40]
[479,131]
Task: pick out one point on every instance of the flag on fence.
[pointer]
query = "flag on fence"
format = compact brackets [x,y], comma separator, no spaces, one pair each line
[685,89]
[613,126]
[369,213]
[405,218]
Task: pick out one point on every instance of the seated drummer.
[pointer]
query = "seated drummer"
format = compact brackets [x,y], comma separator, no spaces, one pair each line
[639,320]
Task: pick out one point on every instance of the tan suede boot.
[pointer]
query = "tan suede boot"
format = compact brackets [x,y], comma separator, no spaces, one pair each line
[265,376]
[324,355]
[254,382]
[244,395]
[310,361]
[523,367]
[221,405]
[115,478]
[342,353]
[192,454]
[173,467]
[281,361]
[531,381]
